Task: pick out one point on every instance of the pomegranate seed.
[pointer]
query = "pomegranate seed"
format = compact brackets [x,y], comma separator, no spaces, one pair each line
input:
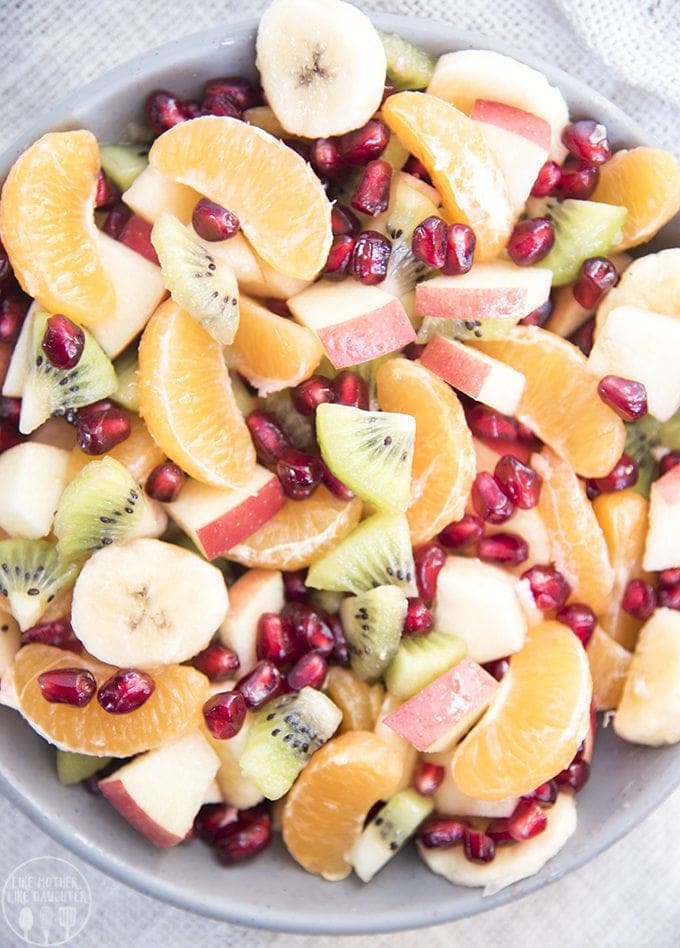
[414,350]
[527,820]
[247,840]
[669,597]
[370,258]
[224,713]
[626,397]
[499,831]
[364,144]
[13,308]
[549,587]
[530,241]
[191,108]
[489,424]
[578,180]
[308,672]
[415,167]
[350,389]
[669,577]
[418,619]
[428,777]
[497,668]
[260,684]
[463,532]
[539,316]
[596,276]
[624,474]
[163,110]
[125,691]
[507,549]
[116,219]
[460,249]
[101,428]
[580,618]
[583,336]
[439,832]
[294,588]
[520,482]
[340,652]
[478,846]
[216,102]
[300,474]
[9,436]
[547,180]
[213,819]
[59,633]
[373,191]
[428,242]
[213,222]
[269,440]
[339,256]
[344,220]
[490,500]
[217,662]
[639,599]
[574,776]
[242,93]
[587,141]
[324,157]
[310,627]
[136,234]
[107,193]
[74,686]
[428,560]
[6,271]
[165,482]
[545,794]
[669,461]
[10,409]
[275,640]
[334,484]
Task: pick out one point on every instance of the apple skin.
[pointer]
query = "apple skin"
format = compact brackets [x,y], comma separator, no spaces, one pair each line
[137,817]
[494,290]
[255,592]
[240,522]
[662,546]
[366,337]
[515,120]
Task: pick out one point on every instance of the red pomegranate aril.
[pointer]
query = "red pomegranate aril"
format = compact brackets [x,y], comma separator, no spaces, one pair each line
[340,652]
[545,794]
[294,588]
[211,221]
[339,257]
[247,840]
[460,249]
[530,241]
[6,271]
[428,778]
[428,560]
[578,180]
[639,599]
[312,392]
[324,157]
[668,462]
[439,832]
[13,308]
[490,500]
[310,628]
[59,633]
[62,342]
[9,436]
[214,819]
[107,193]
[627,397]
[580,618]
[163,110]
[520,482]
[260,684]
[415,167]
[498,830]
[350,389]
[669,577]
[575,776]
[74,686]
[428,242]
[539,316]
[125,691]
[241,92]
[275,641]
[596,276]
[334,484]
[217,662]
[308,672]
[583,337]
[224,713]
[344,220]
[478,846]
[497,668]
[10,409]
[300,473]
[364,144]
[669,597]
[370,258]
[506,549]
[217,102]
[414,350]
[624,474]
[100,430]
[418,619]
[115,221]
[165,482]
[548,180]
[549,587]
[268,437]
[486,423]
[527,820]
[587,141]
[372,194]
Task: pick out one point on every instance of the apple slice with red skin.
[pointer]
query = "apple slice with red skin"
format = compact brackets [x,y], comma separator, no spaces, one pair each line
[662,546]
[255,592]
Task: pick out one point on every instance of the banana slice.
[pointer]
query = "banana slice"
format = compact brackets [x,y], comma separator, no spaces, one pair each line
[650,282]
[511,863]
[146,603]
[322,66]
[470,74]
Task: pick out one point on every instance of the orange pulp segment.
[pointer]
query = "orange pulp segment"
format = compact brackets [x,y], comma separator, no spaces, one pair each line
[173,709]
[560,401]
[536,721]
[609,663]
[325,811]
[460,163]
[139,453]
[444,457]
[358,700]
[48,230]
[187,403]
[282,207]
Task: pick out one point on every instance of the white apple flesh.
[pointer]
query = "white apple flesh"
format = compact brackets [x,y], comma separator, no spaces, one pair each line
[662,546]
[255,592]
[33,477]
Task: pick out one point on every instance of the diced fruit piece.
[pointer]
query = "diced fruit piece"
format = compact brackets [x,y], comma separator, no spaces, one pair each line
[537,720]
[388,831]
[609,664]
[284,736]
[583,229]
[134,603]
[649,283]
[419,661]
[31,576]
[33,477]
[372,623]
[448,798]
[123,163]
[152,193]
[236,789]
[47,226]
[72,768]
[649,709]
[403,748]
[325,811]
[10,641]
[662,544]
[160,792]
[358,700]
[127,372]
[139,453]
[278,199]
[254,593]
[408,66]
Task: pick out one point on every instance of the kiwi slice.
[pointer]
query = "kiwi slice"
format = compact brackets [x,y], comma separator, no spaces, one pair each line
[373,622]
[408,66]
[31,574]
[208,291]
[101,505]
[126,367]
[420,659]
[284,735]
[409,206]
[299,428]
[582,229]
[388,831]
[376,553]
[370,451]
[72,768]
[123,163]
[50,391]
[669,433]
[464,329]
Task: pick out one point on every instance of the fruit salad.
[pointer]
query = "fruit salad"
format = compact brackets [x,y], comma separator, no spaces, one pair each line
[339,452]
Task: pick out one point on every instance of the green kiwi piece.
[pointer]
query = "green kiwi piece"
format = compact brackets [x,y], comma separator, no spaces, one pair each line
[408,66]
[373,622]
[464,329]
[370,451]
[284,735]
[72,768]
[102,505]
[642,436]
[31,574]
[387,832]
[376,553]
[50,391]
[299,428]
[420,659]
[126,367]
[669,433]
[123,163]
[208,291]
[582,229]
[409,206]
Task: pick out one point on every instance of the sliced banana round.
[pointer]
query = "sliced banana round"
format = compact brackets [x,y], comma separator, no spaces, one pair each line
[650,282]
[322,65]
[147,603]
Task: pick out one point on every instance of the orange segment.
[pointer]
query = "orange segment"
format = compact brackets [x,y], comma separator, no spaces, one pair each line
[47,226]
[301,532]
[325,811]
[186,400]
[560,401]
[609,663]
[461,165]
[282,207]
[358,700]
[173,709]
[536,721]
[444,457]
[646,181]
[578,544]
[139,453]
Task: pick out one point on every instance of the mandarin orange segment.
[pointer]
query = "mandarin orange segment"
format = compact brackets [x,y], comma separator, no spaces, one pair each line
[536,721]
[187,403]
[460,162]
[325,811]
[646,181]
[282,207]
[358,700]
[173,709]
[560,402]
[48,230]
[578,544]
[444,458]
[609,663]
[139,453]
[301,532]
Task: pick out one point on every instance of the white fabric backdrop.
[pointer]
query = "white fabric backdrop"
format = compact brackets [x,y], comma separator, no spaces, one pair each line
[627,49]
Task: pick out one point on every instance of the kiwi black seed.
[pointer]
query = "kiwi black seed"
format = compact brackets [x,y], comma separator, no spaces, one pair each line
[373,623]
[464,329]
[31,574]
[385,834]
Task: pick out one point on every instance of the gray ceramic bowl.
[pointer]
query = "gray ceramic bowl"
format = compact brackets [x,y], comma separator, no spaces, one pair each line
[273,892]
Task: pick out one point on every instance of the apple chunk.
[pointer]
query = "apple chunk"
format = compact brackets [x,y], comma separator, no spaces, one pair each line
[255,592]
[160,792]
[662,546]
[151,193]
[32,477]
